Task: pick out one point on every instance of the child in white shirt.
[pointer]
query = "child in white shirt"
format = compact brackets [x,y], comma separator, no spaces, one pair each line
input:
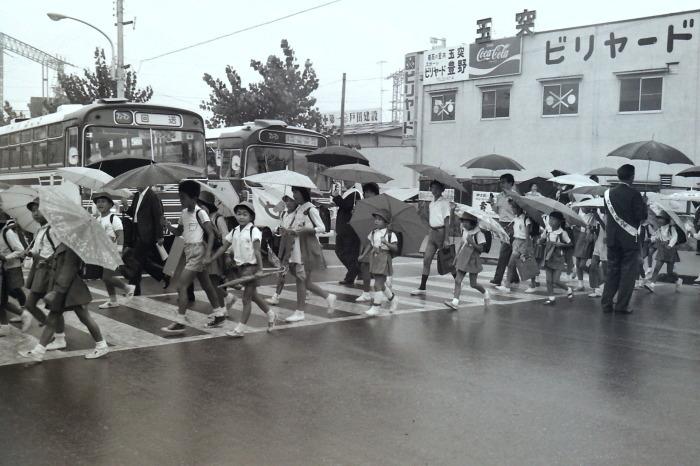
[382,244]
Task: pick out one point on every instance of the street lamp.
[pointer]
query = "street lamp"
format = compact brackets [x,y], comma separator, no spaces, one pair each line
[116,73]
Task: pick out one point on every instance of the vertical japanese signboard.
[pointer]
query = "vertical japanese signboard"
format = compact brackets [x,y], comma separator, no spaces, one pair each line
[445,65]
[500,57]
[411,84]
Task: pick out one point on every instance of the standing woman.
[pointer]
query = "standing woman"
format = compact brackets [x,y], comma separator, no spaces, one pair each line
[306,254]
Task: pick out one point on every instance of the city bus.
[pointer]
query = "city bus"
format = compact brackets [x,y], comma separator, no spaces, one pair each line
[264,146]
[111,135]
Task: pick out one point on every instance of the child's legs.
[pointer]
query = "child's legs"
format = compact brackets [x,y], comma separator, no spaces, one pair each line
[31,306]
[299,275]
[185,280]
[459,277]
[474,284]
[19,295]
[379,282]
[550,280]
[205,283]
[510,269]
[87,321]
[594,272]
[669,271]
[313,287]
[657,270]
[556,280]
[248,292]
[280,283]
[217,280]
[580,264]
[47,334]
[109,277]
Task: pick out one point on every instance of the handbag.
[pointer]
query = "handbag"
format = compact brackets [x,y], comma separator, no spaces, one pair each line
[446,259]
[527,267]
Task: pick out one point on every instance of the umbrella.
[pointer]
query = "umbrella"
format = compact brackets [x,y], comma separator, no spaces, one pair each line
[282,177]
[573,180]
[89,178]
[657,206]
[356,172]
[332,156]
[153,174]
[603,171]
[558,172]
[493,162]
[404,220]
[77,229]
[229,199]
[593,202]
[535,206]
[692,172]
[651,151]
[437,174]
[596,190]
[14,203]
[486,221]
[687,196]
[118,193]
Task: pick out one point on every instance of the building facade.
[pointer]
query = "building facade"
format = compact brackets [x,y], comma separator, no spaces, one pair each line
[560,99]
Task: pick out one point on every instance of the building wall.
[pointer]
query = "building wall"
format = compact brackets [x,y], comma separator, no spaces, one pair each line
[581,142]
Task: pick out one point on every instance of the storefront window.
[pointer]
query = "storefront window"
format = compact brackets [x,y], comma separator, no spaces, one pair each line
[641,94]
[495,103]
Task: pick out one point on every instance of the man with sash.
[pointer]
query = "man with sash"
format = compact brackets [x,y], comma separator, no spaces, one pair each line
[626,210]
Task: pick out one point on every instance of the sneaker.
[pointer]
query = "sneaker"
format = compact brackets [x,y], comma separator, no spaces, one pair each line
[650,286]
[216,322]
[364,298]
[229,301]
[129,292]
[418,292]
[27,320]
[108,305]
[297,316]
[97,352]
[235,333]
[57,344]
[274,299]
[271,320]
[530,289]
[394,303]
[174,329]
[452,304]
[32,354]
[4,330]
[15,320]
[331,302]
[697,280]
[372,311]
[487,298]
[570,293]
[550,301]
[679,284]
[502,288]
[595,294]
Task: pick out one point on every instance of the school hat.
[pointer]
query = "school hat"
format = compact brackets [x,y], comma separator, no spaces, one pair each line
[468,216]
[207,197]
[383,214]
[33,203]
[107,196]
[245,205]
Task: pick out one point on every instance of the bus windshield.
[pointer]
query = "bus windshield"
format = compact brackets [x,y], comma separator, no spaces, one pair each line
[106,144]
[261,159]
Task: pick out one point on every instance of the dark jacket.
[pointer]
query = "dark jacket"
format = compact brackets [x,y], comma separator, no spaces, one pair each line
[630,206]
[562,197]
[149,224]
[65,279]
[345,209]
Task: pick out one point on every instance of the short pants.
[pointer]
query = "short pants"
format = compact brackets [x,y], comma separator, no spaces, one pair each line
[194,257]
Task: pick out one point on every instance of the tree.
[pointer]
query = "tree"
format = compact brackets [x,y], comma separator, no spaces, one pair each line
[284,93]
[100,84]
[10,112]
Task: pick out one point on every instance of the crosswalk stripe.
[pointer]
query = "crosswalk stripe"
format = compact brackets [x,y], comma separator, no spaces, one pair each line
[115,332]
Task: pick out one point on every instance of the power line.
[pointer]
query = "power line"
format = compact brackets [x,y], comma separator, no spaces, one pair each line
[242,30]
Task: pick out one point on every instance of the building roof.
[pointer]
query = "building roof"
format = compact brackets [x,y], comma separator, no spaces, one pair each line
[371,128]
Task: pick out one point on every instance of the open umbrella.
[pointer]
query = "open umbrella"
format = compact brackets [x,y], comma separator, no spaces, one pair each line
[89,178]
[13,202]
[651,151]
[80,231]
[603,171]
[486,221]
[593,202]
[356,172]
[282,177]
[404,220]
[437,174]
[153,174]
[657,206]
[558,172]
[589,190]
[535,206]
[332,156]
[692,172]
[493,162]
[573,180]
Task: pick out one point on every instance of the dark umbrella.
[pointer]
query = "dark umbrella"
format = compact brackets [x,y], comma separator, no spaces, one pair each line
[493,162]
[153,174]
[437,174]
[590,190]
[356,172]
[333,156]
[651,151]
[691,172]
[535,206]
[603,171]
[558,173]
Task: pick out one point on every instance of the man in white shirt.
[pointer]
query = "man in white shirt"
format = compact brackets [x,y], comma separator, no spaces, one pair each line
[506,215]
[439,218]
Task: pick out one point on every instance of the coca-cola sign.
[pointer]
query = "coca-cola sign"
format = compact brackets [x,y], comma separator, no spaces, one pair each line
[499,57]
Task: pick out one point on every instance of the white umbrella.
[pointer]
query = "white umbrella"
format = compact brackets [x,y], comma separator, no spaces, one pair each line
[658,206]
[486,221]
[282,177]
[573,180]
[228,197]
[86,177]
[686,196]
[592,202]
[14,203]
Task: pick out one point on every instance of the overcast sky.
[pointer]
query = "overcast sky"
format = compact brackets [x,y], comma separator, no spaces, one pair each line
[350,36]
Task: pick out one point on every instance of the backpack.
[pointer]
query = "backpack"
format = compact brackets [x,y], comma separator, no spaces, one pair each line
[325,214]
[682,237]
[399,242]
[217,235]
[489,239]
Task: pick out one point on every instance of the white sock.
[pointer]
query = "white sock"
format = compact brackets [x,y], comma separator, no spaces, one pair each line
[101,344]
[240,327]
[388,293]
[455,301]
[39,349]
[377,301]
[59,336]
[113,299]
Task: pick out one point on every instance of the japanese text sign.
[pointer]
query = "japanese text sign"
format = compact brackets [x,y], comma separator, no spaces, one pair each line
[501,57]
[445,65]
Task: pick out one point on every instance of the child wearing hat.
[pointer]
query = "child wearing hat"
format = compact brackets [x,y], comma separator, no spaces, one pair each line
[11,254]
[468,259]
[557,242]
[665,240]
[286,243]
[198,234]
[382,243]
[112,225]
[244,241]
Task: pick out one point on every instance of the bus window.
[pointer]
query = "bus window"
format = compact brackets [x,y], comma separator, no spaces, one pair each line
[56,130]
[40,133]
[267,159]
[14,139]
[4,162]
[26,136]
[26,156]
[39,154]
[14,157]
[3,141]
[312,170]
[231,163]
[56,150]
[73,154]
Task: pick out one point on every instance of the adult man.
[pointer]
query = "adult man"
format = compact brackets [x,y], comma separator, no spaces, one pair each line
[439,218]
[347,244]
[506,215]
[626,210]
[147,214]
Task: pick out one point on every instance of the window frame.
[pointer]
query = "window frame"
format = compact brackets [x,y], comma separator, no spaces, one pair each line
[495,90]
[556,82]
[442,93]
[640,79]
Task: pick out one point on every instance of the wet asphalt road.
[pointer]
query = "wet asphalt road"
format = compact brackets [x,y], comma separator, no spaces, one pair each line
[513,384]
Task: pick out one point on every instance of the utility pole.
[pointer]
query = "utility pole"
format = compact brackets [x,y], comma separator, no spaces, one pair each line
[381,89]
[342,112]
[119,75]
